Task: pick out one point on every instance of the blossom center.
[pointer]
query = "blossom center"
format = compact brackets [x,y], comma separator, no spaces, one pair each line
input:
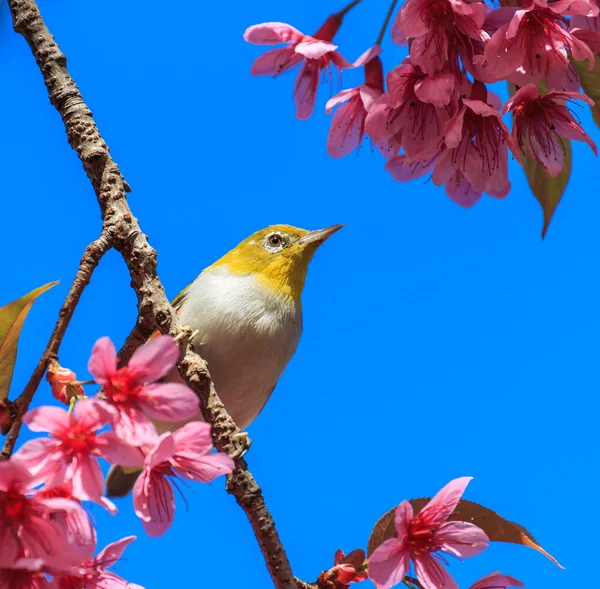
[78,440]
[14,506]
[421,538]
[120,390]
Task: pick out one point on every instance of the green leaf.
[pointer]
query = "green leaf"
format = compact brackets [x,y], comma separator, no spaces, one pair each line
[590,82]
[547,190]
[12,317]
[496,527]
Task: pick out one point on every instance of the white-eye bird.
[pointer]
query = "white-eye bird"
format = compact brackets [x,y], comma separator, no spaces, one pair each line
[247,312]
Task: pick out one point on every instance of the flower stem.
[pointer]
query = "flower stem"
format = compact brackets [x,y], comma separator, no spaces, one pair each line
[388,16]
[71,405]
[83,382]
[348,8]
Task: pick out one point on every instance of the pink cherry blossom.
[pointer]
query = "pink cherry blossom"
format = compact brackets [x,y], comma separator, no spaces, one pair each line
[422,536]
[72,451]
[348,124]
[129,391]
[441,31]
[534,46]
[476,144]
[496,580]
[184,454]
[458,187]
[28,523]
[541,122]
[564,7]
[413,111]
[62,382]
[317,54]
[94,573]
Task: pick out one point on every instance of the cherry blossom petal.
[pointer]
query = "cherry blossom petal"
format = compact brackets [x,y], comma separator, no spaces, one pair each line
[194,435]
[367,56]
[116,451]
[203,468]
[134,428]
[404,170]
[314,48]
[388,564]
[437,89]
[102,364]
[347,128]
[46,419]
[339,98]
[161,507]
[14,476]
[153,360]
[402,518]
[109,555]
[162,452]
[88,482]
[462,539]
[445,501]
[169,402]
[496,580]
[432,574]
[94,414]
[305,90]
[275,62]
[271,33]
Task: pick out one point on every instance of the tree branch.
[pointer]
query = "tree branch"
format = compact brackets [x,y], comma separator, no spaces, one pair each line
[154,308]
[89,261]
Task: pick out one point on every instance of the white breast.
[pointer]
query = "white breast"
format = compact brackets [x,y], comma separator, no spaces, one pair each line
[248,335]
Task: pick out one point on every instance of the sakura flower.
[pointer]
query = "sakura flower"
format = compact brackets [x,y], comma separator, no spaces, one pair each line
[127,388]
[564,7]
[534,46]
[422,536]
[317,54]
[347,569]
[413,111]
[71,453]
[62,382]
[496,581]
[458,188]
[476,144]
[94,573]
[540,123]
[184,454]
[587,29]
[348,124]
[441,31]
[28,526]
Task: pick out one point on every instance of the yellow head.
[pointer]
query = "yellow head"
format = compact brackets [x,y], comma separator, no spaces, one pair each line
[277,257]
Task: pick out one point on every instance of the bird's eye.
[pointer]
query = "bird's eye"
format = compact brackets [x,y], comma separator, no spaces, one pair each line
[275,242]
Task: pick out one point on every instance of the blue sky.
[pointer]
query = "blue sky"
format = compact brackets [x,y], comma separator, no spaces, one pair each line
[438,342]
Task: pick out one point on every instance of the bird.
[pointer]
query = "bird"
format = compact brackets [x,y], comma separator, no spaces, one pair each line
[245,314]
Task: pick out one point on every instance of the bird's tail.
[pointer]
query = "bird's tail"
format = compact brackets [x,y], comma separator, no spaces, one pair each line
[120,480]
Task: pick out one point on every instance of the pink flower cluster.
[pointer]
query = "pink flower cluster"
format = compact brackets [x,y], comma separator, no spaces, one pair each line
[425,538]
[437,116]
[46,536]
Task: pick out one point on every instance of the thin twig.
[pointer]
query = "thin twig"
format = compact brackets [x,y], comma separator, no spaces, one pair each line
[155,311]
[388,16]
[89,261]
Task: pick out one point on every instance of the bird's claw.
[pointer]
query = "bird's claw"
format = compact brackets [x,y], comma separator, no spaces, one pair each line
[240,444]
[186,332]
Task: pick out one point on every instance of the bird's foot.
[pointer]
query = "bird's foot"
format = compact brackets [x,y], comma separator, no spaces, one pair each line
[240,444]
[186,333]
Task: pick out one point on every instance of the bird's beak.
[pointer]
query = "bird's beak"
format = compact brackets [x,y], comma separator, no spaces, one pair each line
[319,236]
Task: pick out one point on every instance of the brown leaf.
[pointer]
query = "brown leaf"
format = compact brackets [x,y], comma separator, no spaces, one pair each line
[12,317]
[497,528]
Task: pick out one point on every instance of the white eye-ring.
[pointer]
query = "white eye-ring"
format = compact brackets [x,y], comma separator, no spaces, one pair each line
[275,242]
